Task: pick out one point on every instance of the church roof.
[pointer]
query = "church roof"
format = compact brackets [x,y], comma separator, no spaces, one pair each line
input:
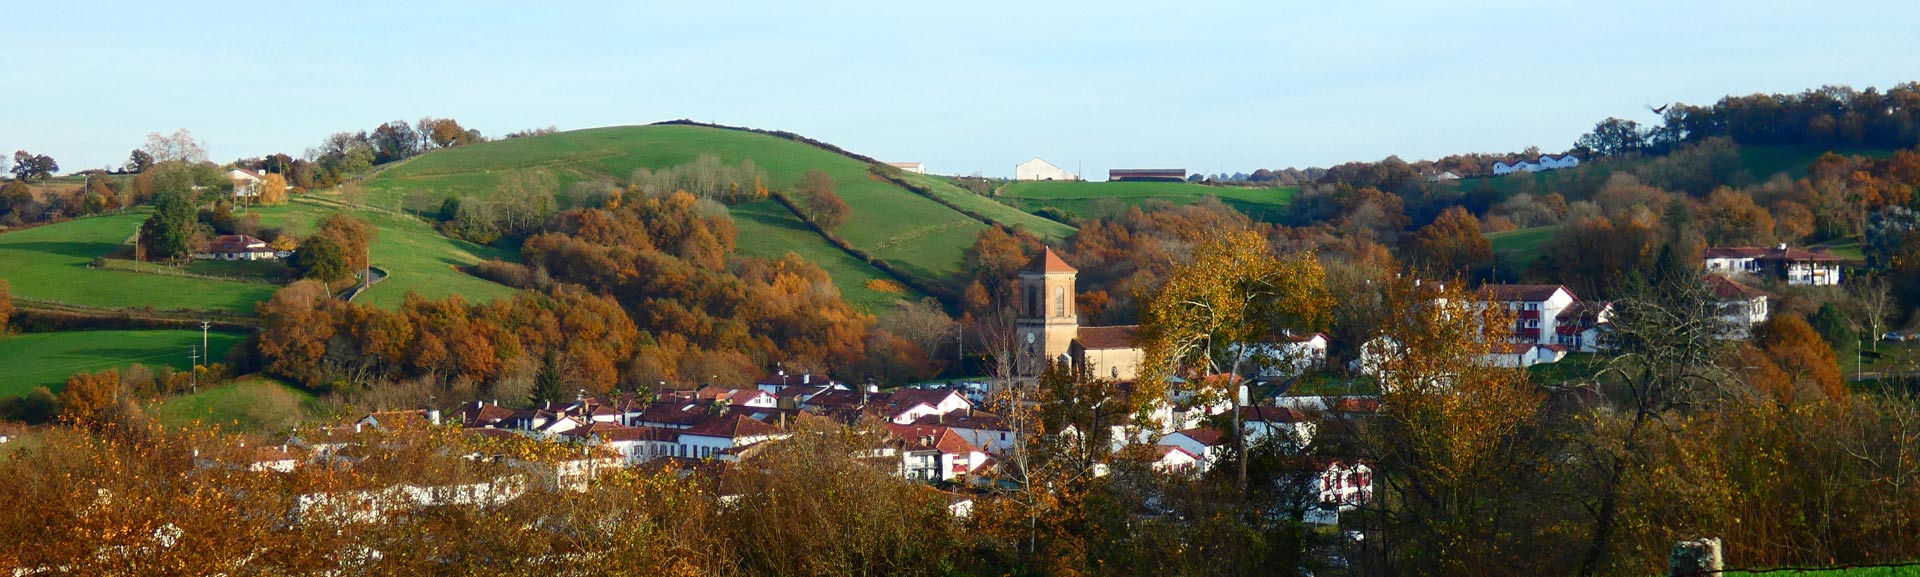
[1049,262]
[1108,338]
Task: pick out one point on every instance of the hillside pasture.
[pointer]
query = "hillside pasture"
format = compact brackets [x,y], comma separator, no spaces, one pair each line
[998,212]
[51,263]
[1520,247]
[1085,199]
[914,233]
[770,231]
[416,257]
[249,404]
[47,359]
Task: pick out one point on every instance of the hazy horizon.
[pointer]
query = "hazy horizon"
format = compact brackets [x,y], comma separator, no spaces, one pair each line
[1211,87]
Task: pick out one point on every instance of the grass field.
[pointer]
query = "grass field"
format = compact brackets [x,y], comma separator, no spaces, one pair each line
[36,359]
[768,230]
[1001,213]
[918,235]
[1082,199]
[249,404]
[51,263]
[1519,248]
[416,257]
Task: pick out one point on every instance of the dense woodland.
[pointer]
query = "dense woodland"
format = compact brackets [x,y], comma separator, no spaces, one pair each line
[635,286]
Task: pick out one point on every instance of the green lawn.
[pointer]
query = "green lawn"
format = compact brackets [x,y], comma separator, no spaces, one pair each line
[249,404]
[1520,247]
[1081,198]
[1908,571]
[1001,213]
[918,235]
[417,257]
[768,230]
[51,263]
[35,359]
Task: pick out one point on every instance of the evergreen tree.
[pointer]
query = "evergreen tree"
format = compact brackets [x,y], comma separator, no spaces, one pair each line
[169,233]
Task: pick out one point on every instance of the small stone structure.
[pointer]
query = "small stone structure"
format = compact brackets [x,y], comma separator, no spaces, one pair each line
[1699,557]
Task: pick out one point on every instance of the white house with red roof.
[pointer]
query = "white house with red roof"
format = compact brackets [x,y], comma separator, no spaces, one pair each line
[1741,307]
[724,432]
[1536,308]
[934,453]
[1798,267]
[1203,442]
[237,247]
[904,406]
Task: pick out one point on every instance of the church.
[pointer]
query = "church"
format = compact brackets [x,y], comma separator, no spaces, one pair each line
[1047,328]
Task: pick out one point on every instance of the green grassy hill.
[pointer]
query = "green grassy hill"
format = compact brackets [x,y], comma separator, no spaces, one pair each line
[1001,213]
[919,236]
[1081,198]
[1519,248]
[51,263]
[36,359]
[417,258]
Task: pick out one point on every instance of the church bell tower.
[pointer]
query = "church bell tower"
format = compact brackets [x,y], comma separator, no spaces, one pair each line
[1048,319]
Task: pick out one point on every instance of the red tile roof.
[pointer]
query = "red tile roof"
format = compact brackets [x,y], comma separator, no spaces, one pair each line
[1049,262]
[732,427]
[1727,289]
[1521,292]
[237,243]
[1108,338]
[1205,436]
[1771,253]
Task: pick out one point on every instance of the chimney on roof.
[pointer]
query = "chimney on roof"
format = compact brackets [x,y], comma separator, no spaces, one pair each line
[806,379]
[1781,246]
[873,388]
[547,404]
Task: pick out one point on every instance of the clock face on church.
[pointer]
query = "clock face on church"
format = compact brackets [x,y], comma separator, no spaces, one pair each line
[1030,337]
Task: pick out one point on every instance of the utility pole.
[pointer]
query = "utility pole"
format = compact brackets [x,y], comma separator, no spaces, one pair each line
[193,355]
[203,338]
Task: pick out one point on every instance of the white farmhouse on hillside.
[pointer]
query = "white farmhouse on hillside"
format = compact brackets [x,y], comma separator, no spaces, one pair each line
[1038,169]
[1545,162]
[913,167]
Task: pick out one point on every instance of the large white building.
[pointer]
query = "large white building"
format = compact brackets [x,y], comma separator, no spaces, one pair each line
[1038,169]
[1545,162]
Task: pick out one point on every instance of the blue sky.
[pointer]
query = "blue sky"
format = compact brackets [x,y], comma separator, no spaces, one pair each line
[963,86]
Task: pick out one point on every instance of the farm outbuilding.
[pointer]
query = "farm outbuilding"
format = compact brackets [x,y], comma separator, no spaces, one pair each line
[1148,174]
[1038,169]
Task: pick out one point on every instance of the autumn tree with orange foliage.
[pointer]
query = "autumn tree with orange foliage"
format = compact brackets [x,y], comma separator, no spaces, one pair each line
[1451,247]
[1449,447]
[1802,357]
[1233,295]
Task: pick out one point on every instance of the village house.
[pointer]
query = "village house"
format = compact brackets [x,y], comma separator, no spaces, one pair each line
[725,432]
[1292,356]
[1536,308]
[246,183]
[1523,355]
[237,247]
[1798,267]
[934,453]
[1038,169]
[913,167]
[1741,307]
[1205,443]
